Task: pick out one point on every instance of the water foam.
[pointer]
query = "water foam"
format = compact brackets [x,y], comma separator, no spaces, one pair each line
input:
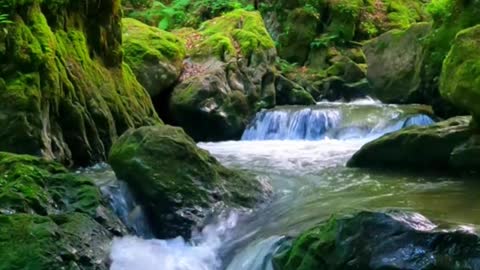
[176,254]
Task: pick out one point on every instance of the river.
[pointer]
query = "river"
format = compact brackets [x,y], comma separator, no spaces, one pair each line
[302,152]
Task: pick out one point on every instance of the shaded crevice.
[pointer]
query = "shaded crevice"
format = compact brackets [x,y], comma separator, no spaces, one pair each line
[161,104]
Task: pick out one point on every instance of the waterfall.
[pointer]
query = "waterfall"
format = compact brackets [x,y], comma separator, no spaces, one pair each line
[333,121]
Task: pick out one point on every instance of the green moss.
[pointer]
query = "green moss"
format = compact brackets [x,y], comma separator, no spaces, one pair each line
[166,170]
[460,79]
[237,32]
[453,17]
[69,241]
[68,95]
[33,185]
[149,42]
[300,31]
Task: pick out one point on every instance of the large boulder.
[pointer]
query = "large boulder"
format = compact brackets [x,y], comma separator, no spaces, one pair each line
[449,19]
[73,241]
[155,56]
[291,93]
[66,93]
[178,183]
[423,148]
[375,241]
[228,77]
[51,219]
[460,79]
[395,63]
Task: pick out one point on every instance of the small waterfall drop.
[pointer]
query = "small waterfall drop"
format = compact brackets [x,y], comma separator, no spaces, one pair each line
[201,253]
[334,121]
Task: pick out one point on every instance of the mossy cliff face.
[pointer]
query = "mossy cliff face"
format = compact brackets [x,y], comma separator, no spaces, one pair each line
[177,183]
[155,56]
[460,78]
[375,241]
[65,92]
[51,219]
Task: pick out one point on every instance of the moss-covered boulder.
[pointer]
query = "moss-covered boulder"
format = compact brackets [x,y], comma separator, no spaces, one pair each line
[67,94]
[291,93]
[301,30]
[395,62]
[72,241]
[228,77]
[460,79]
[375,241]
[422,148]
[50,218]
[155,56]
[178,183]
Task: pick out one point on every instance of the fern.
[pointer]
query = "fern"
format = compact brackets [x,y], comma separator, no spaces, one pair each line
[4,19]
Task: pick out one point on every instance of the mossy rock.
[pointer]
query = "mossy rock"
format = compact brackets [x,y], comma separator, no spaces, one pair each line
[417,148]
[178,183]
[460,79]
[69,94]
[300,31]
[375,241]
[73,241]
[33,185]
[448,22]
[50,218]
[395,63]
[238,33]
[207,107]
[291,93]
[227,78]
[155,56]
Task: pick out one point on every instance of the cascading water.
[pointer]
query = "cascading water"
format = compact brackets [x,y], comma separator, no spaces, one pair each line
[302,150]
[332,120]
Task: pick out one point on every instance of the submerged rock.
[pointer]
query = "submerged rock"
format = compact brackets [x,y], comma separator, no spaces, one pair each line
[395,62]
[51,219]
[374,241]
[65,92]
[178,183]
[423,148]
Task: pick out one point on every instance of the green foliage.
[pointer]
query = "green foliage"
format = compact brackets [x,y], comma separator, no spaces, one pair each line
[139,3]
[323,41]
[181,13]
[439,9]
[4,19]
[285,66]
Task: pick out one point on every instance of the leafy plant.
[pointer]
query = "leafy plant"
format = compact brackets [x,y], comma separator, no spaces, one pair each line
[323,41]
[285,66]
[4,19]
[439,9]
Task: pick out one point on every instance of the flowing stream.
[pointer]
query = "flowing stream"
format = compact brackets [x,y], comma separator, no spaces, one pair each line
[302,151]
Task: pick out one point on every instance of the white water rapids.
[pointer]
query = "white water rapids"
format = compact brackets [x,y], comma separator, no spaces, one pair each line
[303,152]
